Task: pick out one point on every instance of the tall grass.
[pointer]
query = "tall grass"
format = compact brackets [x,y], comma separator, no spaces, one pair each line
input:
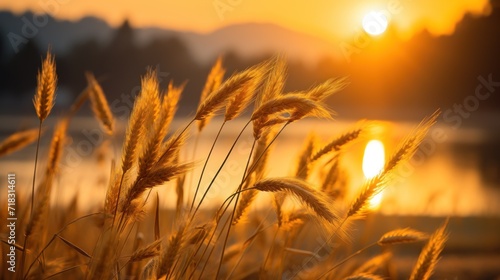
[131,237]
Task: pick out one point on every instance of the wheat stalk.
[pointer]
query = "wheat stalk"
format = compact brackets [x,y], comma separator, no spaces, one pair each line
[410,145]
[429,256]
[245,201]
[337,143]
[149,251]
[327,88]
[315,200]
[159,129]
[399,236]
[218,98]
[212,83]
[169,255]
[170,101]
[274,83]
[291,103]
[56,146]
[272,88]
[17,141]
[304,162]
[100,105]
[40,208]
[239,101]
[145,110]
[46,87]
[369,190]
[150,270]
[154,178]
[405,151]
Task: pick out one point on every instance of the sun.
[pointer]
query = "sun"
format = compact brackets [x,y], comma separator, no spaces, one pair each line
[375,23]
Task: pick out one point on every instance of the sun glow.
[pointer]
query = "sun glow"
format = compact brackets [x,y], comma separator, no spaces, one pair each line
[375,23]
[373,163]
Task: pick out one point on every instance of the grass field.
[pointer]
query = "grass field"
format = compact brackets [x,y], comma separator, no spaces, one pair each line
[309,224]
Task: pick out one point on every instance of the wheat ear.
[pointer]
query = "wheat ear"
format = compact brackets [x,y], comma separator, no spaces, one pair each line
[212,83]
[17,141]
[170,253]
[100,105]
[337,143]
[327,88]
[149,251]
[402,154]
[274,83]
[314,199]
[429,256]
[297,105]
[398,236]
[410,145]
[239,101]
[46,87]
[304,165]
[144,111]
[216,100]
[155,177]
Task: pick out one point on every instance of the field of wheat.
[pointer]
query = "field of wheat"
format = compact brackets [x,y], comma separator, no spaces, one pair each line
[132,237]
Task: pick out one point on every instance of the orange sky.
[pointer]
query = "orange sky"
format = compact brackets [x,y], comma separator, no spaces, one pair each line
[330,19]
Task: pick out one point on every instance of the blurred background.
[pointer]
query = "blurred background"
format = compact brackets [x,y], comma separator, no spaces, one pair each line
[433,54]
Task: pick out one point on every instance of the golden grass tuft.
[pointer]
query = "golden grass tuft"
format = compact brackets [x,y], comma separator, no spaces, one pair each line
[296,105]
[314,199]
[56,146]
[149,251]
[46,87]
[213,82]
[156,177]
[169,254]
[141,113]
[337,143]
[275,82]
[18,141]
[399,236]
[237,83]
[429,256]
[327,88]
[410,145]
[304,162]
[100,105]
[371,188]
[240,99]
[403,154]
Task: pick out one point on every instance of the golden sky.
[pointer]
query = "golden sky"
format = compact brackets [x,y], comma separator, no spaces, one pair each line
[330,19]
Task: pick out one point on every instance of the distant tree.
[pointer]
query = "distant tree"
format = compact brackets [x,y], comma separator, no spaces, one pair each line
[123,39]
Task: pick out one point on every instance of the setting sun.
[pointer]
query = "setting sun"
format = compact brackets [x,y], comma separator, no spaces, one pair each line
[375,23]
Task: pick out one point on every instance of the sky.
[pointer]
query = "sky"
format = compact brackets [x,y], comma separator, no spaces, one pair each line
[329,19]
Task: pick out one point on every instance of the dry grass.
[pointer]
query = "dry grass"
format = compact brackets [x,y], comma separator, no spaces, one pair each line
[18,141]
[46,88]
[126,239]
[429,256]
[100,104]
